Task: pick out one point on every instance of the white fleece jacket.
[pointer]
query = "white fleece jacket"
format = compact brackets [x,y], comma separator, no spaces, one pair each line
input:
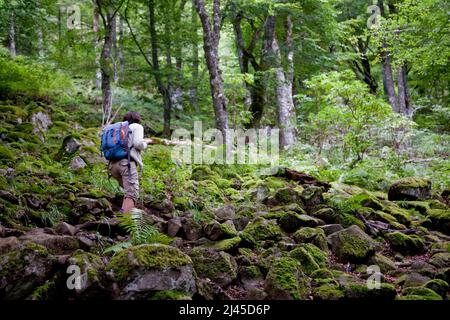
[137,142]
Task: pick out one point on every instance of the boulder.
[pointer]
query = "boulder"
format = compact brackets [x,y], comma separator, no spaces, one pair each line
[77,163]
[315,236]
[285,281]
[410,189]
[224,213]
[57,244]
[218,266]
[352,245]
[148,268]
[331,228]
[192,230]
[384,263]
[405,244]
[440,220]
[41,121]
[65,229]
[261,229]
[311,258]
[218,231]
[24,269]
[173,227]
[92,279]
[7,244]
[362,291]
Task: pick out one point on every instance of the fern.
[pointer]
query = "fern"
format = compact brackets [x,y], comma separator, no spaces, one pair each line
[135,224]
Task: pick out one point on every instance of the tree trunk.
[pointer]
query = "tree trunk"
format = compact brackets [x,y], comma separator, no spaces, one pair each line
[388,79]
[286,111]
[165,92]
[114,47]
[12,36]
[403,91]
[243,63]
[120,52]
[193,99]
[107,69]
[98,72]
[211,37]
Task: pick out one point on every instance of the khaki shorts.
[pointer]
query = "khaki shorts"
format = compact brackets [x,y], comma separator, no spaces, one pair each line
[129,182]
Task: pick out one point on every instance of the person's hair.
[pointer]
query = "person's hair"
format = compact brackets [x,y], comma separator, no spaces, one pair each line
[132,117]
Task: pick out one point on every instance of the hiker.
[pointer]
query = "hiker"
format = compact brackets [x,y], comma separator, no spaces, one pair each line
[125,170]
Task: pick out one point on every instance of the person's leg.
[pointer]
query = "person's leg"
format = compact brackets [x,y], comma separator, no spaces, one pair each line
[127,204]
[131,186]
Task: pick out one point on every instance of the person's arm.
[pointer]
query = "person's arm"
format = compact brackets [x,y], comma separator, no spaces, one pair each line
[138,138]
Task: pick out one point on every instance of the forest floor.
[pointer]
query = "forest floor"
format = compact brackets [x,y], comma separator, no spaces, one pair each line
[201,232]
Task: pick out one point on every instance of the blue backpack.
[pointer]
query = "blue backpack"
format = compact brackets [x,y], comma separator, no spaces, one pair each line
[115,139]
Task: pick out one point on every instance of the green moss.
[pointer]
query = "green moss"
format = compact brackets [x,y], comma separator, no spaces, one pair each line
[224,245]
[216,265]
[44,292]
[354,247]
[284,277]
[182,203]
[408,183]
[7,155]
[440,220]
[362,291]
[405,244]
[420,206]
[203,172]
[287,195]
[439,286]
[274,183]
[17,259]
[419,293]
[223,183]
[315,236]
[362,200]
[311,258]
[152,256]
[328,292]
[251,272]
[171,295]
[261,229]
[347,220]
[401,215]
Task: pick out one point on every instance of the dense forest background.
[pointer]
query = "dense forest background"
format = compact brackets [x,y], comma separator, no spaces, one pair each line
[359,90]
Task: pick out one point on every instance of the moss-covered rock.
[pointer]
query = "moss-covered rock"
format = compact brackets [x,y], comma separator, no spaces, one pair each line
[311,258]
[92,269]
[224,245]
[171,295]
[421,207]
[327,214]
[440,220]
[261,229]
[328,292]
[218,266]
[410,189]
[23,270]
[440,260]
[143,269]
[285,281]
[352,244]
[287,195]
[315,236]
[405,244]
[383,262]
[362,291]
[419,293]
[439,286]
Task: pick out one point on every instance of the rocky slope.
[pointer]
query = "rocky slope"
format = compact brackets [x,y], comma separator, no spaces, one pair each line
[203,232]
